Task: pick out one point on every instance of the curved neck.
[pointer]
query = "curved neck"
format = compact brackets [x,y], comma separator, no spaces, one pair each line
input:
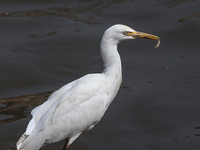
[110,56]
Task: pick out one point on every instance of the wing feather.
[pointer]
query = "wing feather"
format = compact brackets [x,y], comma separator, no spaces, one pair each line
[66,99]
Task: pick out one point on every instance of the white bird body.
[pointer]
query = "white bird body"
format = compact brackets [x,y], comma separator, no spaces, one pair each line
[79,105]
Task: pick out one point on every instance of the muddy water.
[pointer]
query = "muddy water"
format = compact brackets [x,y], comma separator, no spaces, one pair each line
[46,44]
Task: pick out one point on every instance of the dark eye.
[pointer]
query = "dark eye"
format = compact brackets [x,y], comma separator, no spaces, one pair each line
[126,32]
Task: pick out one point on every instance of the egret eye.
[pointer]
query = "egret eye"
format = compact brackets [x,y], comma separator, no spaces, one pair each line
[126,32]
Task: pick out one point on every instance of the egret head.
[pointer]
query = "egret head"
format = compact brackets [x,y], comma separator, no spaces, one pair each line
[120,32]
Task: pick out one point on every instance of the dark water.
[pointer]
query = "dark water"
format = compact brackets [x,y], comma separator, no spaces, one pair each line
[44,44]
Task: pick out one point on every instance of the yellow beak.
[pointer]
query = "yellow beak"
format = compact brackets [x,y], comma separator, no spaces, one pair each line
[142,35]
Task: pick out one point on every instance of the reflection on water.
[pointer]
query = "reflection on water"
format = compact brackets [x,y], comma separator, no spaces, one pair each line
[72,13]
[41,35]
[15,108]
[126,88]
[181,2]
[196,134]
[189,17]
[69,12]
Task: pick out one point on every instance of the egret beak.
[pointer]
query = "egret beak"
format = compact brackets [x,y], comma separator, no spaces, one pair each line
[142,35]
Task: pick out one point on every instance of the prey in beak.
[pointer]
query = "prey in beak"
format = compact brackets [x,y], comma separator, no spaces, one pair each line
[142,35]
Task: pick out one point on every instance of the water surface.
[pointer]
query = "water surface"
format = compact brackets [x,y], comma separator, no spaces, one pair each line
[46,44]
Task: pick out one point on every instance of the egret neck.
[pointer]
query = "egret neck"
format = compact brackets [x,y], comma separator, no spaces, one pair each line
[111,57]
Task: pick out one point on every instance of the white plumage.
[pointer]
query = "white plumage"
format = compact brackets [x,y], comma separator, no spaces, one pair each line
[79,105]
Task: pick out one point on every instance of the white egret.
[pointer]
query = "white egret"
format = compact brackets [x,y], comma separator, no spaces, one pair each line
[79,105]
